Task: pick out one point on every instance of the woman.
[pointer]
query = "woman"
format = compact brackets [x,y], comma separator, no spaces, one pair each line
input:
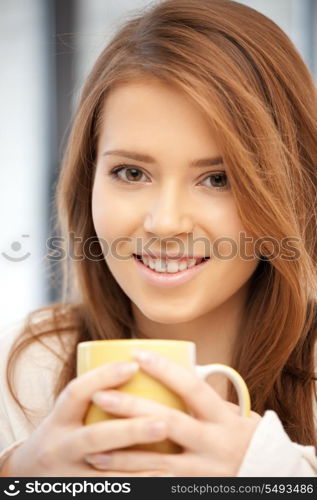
[193,145]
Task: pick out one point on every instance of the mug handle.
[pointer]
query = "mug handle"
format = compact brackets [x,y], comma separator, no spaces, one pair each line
[239,384]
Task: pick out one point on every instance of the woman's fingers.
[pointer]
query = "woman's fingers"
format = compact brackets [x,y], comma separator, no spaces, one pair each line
[134,474]
[91,472]
[127,405]
[182,428]
[114,434]
[72,404]
[132,461]
[197,394]
[87,470]
[181,464]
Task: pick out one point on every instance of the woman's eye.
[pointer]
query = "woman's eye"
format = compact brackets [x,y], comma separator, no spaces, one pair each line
[127,174]
[218,180]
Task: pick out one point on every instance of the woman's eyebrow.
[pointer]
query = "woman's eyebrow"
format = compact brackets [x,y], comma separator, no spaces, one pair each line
[203,162]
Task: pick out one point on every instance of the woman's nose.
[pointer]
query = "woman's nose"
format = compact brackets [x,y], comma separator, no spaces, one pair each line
[169,215]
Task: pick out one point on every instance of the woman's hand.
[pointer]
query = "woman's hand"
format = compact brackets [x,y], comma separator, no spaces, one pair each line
[214,437]
[60,443]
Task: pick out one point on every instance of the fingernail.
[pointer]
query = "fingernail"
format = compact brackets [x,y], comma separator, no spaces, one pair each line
[105,400]
[101,459]
[156,428]
[145,356]
[127,368]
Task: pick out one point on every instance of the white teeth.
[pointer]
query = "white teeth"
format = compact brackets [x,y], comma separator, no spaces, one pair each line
[173,266]
[160,266]
[170,266]
[145,260]
[191,262]
[182,266]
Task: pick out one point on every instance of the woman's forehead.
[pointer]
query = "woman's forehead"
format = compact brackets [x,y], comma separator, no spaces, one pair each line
[143,113]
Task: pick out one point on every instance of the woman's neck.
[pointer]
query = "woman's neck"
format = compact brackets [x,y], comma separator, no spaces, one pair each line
[213,333]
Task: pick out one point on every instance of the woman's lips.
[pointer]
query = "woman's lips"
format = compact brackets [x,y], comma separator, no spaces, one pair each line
[167,279]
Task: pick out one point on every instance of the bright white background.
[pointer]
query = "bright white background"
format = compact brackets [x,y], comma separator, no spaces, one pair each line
[28,121]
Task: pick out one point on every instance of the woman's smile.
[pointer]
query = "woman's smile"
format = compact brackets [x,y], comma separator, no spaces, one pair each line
[175,273]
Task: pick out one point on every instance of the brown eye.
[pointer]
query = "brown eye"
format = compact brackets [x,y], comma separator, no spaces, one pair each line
[127,174]
[133,174]
[218,181]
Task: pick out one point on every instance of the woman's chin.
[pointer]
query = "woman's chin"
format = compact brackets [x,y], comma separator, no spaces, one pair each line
[169,315]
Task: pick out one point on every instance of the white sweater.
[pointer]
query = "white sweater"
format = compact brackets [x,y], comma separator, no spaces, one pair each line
[271,453]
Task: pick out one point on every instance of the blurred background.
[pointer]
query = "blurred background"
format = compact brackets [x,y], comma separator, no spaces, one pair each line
[47,49]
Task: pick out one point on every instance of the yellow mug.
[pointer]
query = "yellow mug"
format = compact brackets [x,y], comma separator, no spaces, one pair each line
[92,354]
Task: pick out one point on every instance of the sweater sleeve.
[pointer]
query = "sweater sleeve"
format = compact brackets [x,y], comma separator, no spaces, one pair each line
[271,453]
[34,377]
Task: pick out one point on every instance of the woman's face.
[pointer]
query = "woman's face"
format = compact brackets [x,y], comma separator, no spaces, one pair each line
[167,202]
